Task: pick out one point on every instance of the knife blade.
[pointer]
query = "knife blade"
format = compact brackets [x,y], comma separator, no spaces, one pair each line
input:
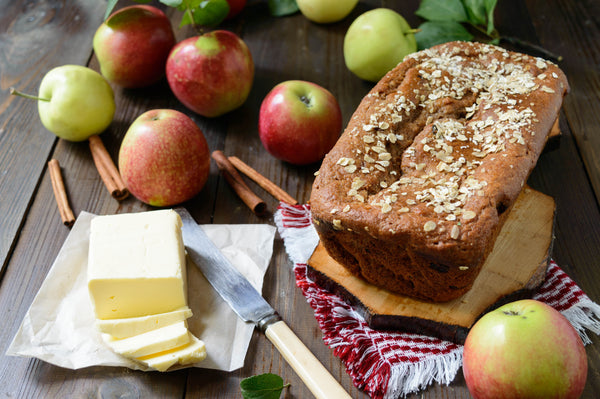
[250,306]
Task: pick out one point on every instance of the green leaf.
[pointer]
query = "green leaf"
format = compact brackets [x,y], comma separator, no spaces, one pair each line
[481,12]
[280,8]
[205,13]
[211,12]
[442,10]
[490,6]
[437,32]
[172,3]
[476,11]
[263,386]
[186,19]
[110,6]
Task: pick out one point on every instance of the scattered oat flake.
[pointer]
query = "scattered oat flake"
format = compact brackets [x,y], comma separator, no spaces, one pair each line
[547,89]
[429,226]
[368,139]
[468,215]
[455,232]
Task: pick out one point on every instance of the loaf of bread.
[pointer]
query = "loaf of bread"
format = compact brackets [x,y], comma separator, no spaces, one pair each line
[413,195]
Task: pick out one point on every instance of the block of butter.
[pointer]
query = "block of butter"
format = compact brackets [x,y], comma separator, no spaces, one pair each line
[192,352]
[151,342]
[137,285]
[136,264]
[128,327]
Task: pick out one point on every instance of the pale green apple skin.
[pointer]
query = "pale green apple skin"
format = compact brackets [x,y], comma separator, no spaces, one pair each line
[524,349]
[164,158]
[81,102]
[299,122]
[376,42]
[325,12]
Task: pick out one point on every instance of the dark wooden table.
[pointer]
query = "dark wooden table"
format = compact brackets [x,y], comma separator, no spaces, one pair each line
[38,35]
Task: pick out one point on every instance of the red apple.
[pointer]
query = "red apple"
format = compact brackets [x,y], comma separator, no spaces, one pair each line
[133,44]
[235,7]
[164,158]
[524,349]
[299,122]
[211,74]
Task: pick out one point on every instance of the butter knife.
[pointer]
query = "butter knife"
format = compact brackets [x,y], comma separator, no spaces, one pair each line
[250,306]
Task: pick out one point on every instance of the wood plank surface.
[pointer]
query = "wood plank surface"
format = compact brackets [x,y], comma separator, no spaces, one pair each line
[581,63]
[37,35]
[34,37]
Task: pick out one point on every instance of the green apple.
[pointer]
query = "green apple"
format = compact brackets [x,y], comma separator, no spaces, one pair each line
[324,12]
[74,102]
[376,42]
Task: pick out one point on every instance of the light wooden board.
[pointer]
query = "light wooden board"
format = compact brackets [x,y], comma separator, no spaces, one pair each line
[514,269]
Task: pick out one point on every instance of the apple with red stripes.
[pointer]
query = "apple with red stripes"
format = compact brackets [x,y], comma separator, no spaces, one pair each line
[164,158]
[211,74]
[524,349]
[133,44]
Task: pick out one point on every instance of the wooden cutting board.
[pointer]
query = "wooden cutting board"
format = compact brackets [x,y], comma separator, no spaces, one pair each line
[514,269]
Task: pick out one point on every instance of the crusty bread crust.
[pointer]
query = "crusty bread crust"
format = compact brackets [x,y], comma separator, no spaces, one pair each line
[413,195]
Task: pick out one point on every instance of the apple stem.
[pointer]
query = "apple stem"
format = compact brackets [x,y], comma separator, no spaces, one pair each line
[15,92]
[413,31]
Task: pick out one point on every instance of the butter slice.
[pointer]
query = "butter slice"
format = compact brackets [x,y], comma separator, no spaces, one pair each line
[155,341]
[191,353]
[124,328]
[136,264]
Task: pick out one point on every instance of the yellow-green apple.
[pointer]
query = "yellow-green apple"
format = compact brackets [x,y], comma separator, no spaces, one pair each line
[74,102]
[376,42]
[211,74]
[133,44]
[299,122]
[324,12]
[164,158]
[235,7]
[524,349]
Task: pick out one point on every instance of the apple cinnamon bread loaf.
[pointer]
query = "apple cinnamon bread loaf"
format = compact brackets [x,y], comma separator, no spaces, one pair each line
[414,193]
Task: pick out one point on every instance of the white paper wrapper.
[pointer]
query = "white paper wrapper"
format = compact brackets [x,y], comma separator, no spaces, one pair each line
[59,326]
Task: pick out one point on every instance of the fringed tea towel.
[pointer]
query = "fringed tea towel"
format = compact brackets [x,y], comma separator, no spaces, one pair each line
[391,364]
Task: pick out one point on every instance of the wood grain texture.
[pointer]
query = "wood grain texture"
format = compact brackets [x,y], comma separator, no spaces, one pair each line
[37,35]
[578,22]
[34,37]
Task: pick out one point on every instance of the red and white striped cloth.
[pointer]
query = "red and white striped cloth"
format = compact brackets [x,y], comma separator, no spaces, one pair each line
[391,364]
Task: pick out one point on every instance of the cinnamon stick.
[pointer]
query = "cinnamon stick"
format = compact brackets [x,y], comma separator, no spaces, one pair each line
[60,194]
[107,169]
[262,181]
[255,203]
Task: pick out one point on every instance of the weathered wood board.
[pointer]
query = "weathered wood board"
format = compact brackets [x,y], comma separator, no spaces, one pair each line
[514,269]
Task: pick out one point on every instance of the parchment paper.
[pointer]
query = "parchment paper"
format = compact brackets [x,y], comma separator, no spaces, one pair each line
[59,326]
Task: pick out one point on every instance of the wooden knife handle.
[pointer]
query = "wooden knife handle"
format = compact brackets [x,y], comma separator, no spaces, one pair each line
[316,377]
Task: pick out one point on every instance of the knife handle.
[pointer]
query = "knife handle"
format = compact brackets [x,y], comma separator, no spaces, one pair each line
[316,377]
